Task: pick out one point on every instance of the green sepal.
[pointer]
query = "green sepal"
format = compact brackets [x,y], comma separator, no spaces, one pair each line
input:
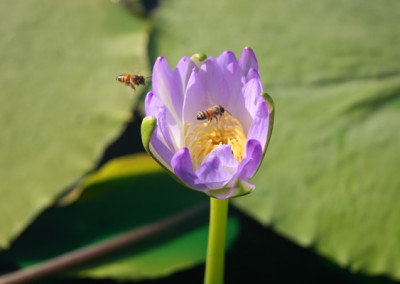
[240,188]
[147,128]
[271,110]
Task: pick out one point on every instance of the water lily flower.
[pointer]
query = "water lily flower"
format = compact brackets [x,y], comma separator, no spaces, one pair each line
[219,154]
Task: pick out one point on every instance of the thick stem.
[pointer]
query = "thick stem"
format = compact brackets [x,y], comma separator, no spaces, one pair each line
[216,242]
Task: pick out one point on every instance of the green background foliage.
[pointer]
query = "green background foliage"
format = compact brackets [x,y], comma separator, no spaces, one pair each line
[59,104]
[329,181]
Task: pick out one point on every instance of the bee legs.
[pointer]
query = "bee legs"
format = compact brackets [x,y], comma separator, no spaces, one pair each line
[132,84]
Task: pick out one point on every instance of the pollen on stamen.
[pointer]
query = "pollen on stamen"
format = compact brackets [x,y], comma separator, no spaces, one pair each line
[202,138]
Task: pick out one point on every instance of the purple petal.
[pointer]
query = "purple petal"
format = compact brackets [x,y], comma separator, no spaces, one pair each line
[195,100]
[159,150]
[215,86]
[183,168]
[209,174]
[248,60]
[226,58]
[253,74]
[169,130]
[251,94]
[234,75]
[152,105]
[259,128]
[184,69]
[166,86]
[251,161]
[217,168]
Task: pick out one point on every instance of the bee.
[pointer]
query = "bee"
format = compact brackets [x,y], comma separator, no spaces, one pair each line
[132,80]
[213,112]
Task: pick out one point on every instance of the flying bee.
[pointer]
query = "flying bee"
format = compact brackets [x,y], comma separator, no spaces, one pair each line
[213,112]
[132,80]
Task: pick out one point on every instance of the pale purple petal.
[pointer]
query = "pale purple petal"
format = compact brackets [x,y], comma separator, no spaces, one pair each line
[248,60]
[251,161]
[166,130]
[171,134]
[233,74]
[159,150]
[259,127]
[215,86]
[209,174]
[226,58]
[253,74]
[184,69]
[152,105]
[195,100]
[235,106]
[167,87]
[183,168]
[252,93]
[217,168]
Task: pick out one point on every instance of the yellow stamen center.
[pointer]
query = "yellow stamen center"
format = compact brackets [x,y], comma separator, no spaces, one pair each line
[202,138]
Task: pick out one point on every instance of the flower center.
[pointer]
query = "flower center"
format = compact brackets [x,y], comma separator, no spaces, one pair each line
[202,138]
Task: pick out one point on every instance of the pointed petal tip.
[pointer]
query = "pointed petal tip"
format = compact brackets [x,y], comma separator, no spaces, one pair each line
[160,58]
[183,59]
[248,60]
[249,51]
[253,70]
[228,52]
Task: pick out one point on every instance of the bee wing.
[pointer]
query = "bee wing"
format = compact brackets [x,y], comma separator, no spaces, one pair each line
[132,85]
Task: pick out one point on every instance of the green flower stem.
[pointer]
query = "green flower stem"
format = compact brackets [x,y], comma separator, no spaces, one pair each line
[216,242]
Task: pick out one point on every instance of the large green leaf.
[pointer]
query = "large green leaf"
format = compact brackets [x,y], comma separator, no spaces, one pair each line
[127,193]
[329,179]
[296,41]
[59,101]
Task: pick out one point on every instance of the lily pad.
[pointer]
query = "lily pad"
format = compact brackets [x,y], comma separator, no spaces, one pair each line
[125,194]
[296,41]
[59,104]
[329,179]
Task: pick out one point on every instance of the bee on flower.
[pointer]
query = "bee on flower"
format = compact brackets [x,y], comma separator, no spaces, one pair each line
[210,113]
